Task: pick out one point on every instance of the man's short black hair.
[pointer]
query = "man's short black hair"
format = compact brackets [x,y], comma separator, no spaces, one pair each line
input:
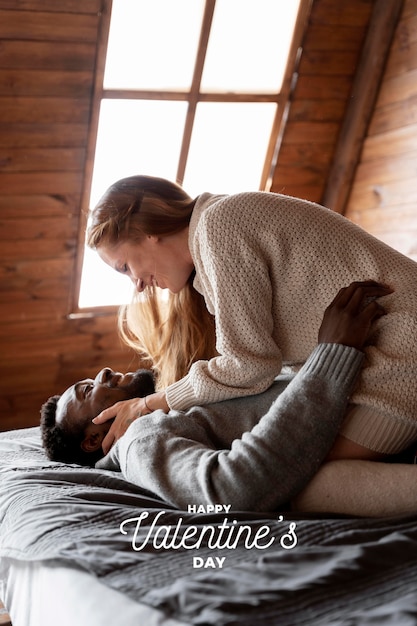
[63,444]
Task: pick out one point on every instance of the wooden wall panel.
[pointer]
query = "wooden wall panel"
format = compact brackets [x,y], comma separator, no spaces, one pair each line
[33,82]
[63,6]
[330,52]
[23,135]
[384,194]
[47,69]
[47,56]
[43,26]
[43,159]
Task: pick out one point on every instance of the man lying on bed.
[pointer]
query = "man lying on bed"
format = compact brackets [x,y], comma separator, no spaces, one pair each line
[253,453]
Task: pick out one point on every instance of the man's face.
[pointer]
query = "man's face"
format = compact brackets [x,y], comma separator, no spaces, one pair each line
[80,403]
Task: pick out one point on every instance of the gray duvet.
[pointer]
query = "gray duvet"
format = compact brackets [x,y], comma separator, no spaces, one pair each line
[205,567]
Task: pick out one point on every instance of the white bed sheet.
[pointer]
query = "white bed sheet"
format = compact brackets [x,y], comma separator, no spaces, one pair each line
[39,593]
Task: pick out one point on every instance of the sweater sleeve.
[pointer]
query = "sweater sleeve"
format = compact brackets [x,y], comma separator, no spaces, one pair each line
[233,274]
[267,465]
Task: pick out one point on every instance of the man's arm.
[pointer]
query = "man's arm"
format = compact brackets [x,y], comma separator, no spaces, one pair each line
[271,463]
[268,465]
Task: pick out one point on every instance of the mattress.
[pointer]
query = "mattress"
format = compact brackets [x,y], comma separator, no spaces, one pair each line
[36,592]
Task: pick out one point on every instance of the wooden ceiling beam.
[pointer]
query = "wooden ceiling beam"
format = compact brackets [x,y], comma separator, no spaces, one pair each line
[375,51]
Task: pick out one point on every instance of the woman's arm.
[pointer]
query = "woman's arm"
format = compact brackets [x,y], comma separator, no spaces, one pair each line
[175,458]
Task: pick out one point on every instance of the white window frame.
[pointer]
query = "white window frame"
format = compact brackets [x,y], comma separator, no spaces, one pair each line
[192,97]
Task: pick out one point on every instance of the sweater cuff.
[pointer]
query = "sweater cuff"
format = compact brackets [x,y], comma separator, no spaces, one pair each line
[180,395]
[336,362]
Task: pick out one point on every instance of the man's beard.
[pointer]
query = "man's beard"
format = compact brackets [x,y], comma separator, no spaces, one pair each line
[142,384]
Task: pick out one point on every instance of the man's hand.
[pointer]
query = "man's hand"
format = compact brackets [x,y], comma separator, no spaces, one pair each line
[348,319]
[125,412]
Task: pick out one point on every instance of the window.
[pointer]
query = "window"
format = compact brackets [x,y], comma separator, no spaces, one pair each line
[191,92]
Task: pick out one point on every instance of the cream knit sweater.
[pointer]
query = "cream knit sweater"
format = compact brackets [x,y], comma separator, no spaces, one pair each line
[268,265]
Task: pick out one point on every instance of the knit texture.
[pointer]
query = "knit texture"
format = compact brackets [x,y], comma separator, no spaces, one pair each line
[268,265]
[253,453]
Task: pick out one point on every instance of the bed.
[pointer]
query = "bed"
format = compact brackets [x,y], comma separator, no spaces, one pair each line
[89,548]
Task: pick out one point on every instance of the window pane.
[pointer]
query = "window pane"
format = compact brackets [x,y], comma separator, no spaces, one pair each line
[249,45]
[101,285]
[134,137]
[228,147]
[137,137]
[153,43]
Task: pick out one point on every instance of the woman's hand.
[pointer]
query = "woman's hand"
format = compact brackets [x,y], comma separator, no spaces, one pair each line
[348,319]
[125,412]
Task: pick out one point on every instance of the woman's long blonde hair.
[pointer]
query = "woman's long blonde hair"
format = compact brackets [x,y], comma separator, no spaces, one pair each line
[170,334]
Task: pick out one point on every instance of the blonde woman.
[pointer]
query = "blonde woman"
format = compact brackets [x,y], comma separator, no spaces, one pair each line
[266,265]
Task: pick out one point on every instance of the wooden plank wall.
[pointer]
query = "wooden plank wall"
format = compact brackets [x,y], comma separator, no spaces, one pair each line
[330,53]
[384,195]
[47,63]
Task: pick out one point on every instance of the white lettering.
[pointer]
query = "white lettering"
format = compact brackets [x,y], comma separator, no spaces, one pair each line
[227,534]
[208,508]
[213,562]
[290,539]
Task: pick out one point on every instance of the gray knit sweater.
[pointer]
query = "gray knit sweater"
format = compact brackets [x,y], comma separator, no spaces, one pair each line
[253,453]
[268,265]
